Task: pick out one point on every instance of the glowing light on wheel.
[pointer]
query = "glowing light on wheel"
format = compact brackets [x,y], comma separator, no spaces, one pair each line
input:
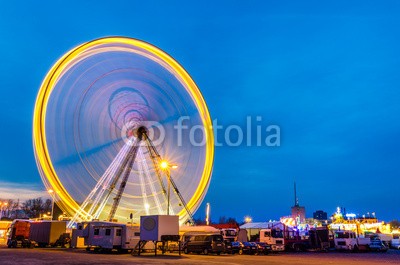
[87,113]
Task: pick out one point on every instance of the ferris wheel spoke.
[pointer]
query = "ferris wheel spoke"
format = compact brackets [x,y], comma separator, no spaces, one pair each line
[113,168]
[77,157]
[181,199]
[142,183]
[99,189]
[156,159]
[154,193]
[127,167]
[101,200]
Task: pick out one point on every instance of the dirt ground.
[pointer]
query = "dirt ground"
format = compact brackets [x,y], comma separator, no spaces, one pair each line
[69,256]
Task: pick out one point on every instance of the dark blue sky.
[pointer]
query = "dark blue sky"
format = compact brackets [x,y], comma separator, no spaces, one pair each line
[327,74]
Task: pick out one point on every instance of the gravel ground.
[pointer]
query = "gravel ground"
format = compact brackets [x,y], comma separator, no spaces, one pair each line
[69,256]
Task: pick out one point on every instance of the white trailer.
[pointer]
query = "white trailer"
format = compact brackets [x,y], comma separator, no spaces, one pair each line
[99,235]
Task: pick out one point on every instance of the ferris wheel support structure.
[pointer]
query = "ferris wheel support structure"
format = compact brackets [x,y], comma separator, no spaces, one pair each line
[156,158]
[125,169]
[131,158]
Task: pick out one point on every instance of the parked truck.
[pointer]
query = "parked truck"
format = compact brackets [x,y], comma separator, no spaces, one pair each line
[274,238]
[314,239]
[348,240]
[27,233]
[49,233]
[18,234]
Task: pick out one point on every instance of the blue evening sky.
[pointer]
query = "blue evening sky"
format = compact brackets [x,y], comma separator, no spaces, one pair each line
[326,72]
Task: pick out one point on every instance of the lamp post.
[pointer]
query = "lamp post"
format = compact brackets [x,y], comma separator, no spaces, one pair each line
[164,165]
[50,191]
[5,210]
[248,219]
[2,208]
[208,214]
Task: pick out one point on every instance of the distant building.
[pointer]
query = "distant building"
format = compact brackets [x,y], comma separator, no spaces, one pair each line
[298,212]
[320,215]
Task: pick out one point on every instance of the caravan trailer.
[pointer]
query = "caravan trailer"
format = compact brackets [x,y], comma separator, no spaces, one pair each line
[99,235]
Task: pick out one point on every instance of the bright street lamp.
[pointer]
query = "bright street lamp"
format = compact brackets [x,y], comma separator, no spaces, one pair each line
[164,165]
[248,219]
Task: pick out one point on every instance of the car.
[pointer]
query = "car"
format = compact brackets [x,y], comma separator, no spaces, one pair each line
[205,243]
[263,248]
[234,247]
[377,244]
[250,248]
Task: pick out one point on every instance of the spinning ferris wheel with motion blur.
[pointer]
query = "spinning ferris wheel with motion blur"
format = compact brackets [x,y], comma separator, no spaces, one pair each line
[105,133]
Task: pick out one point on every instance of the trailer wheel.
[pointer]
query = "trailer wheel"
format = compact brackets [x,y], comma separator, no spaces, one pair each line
[66,245]
[205,251]
[355,249]
[296,248]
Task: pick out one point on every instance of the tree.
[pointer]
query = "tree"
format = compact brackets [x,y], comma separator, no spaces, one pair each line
[222,220]
[395,224]
[231,220]
[47,206]
[33,208]
[227,220]
[199,221]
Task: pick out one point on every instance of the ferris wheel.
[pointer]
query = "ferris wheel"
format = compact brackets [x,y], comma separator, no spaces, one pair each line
[120,130]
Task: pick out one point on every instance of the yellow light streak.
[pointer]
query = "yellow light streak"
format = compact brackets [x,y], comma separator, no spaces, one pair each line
[45,166]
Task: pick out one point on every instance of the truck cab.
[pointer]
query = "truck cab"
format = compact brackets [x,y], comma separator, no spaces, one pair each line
[274,238]
[348,240]
[18,234]
[229,234]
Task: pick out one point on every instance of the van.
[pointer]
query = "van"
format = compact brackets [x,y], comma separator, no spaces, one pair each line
[205,243]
